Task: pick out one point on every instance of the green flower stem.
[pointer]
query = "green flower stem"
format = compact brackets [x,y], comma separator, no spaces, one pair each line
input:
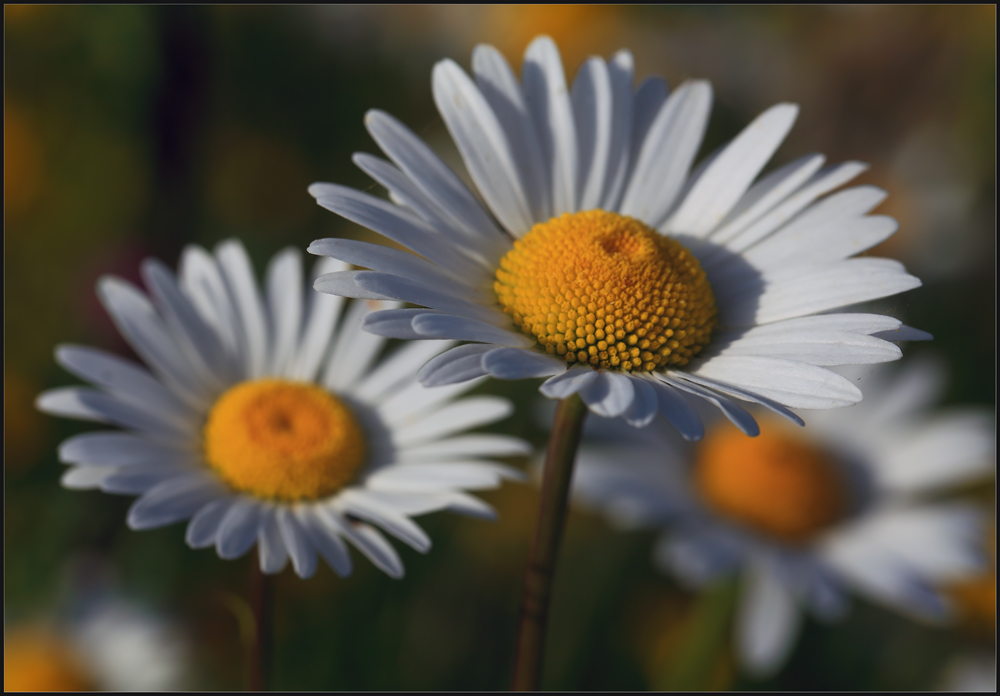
[537,590]
[261,599]
[700,657]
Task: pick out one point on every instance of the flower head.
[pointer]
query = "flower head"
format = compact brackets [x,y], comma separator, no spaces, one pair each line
[270,420]
[804,515]
[603,262]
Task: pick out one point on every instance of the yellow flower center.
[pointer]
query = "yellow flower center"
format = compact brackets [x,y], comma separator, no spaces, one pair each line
[775,483]
[605,289]
[283,440]
[36,661]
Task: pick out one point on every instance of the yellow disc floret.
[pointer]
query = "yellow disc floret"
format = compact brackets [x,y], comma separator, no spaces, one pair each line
[283,440]
[775,483]
[605,289]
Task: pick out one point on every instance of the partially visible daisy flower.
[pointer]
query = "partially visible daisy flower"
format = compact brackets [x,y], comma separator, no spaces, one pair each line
[115,645]
[805,515]
[603,262]
[264,420]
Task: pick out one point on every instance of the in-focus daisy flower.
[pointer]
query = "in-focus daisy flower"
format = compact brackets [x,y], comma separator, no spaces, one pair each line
[114,645]
[805,515]
[602,261]
[263,419]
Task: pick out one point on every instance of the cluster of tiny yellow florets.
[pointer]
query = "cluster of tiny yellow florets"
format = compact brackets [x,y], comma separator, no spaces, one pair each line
[605,289]
[283,440]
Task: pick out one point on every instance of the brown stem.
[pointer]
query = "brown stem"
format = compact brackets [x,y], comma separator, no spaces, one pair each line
[537,590]
[261,598]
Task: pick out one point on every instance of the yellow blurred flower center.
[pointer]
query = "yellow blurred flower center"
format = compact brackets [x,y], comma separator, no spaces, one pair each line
[283,440]
[36,661]
[775,483]
[605,289]
[976,597]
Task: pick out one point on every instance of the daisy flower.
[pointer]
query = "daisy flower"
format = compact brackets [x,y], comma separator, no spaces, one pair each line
[599,259]
[805,515]
[114,645]
[263,419]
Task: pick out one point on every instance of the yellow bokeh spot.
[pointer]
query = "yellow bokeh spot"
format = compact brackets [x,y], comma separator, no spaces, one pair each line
[776,483]
[283,440]
[976,597]
[36,660]
[605,289]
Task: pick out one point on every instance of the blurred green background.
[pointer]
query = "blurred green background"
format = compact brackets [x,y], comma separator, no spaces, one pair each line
[132,131]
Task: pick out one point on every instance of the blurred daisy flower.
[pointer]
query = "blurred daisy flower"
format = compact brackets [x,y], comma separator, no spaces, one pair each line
[603,262]
[263,419]
[114,645]
[804,515]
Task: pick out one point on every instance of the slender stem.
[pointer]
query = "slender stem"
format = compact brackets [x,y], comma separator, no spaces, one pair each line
[261,598]
[699,661]
[537,590]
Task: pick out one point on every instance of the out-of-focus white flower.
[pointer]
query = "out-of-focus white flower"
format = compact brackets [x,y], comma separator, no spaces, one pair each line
[604,261]
[269,420]
[971,673]
[806,514]
[115,645]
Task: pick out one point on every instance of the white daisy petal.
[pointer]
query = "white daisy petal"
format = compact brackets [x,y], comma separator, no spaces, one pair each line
[395,323]
[732,172]
[270,547]
[322,313]
[173,500]
[93,405]
[698,556]
[467,329]
[667,153]
[948,450]
[609,395]
[675,408]
[820,183]
[548,100]
[621,69]
[483,144]
[137,321]
[397,368]
[768,620]
[397,224]
[343,284]
[202,346]
[296,540]
[354,350]
[736,414]
[472,475]
[568,383]
[743,394]
[818,289]
[86,477]
[765,194]
[133,480]
[793,384]
[462,415]
[645,404]
[119,449]
[406,290]
[357,504]
[498,85]
[817,347]
[238,272]
[203,528]
[649,99]
[125,380]
[284,302]
[466,446]
[403,190]
[465,504]
[432,176]
[416,402]
[513,363]
[325,537]
[459,364]
[593,112]
[238,529]
[370,542]
[201,279]
[904,333]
